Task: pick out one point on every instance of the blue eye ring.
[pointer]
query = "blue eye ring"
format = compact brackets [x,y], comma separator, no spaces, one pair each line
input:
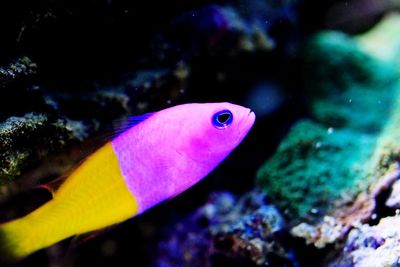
[222,119]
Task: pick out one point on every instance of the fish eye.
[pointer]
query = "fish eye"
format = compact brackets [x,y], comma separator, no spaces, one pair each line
[222,119]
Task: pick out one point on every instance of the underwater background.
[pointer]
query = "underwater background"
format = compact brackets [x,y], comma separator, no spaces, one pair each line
[315,183]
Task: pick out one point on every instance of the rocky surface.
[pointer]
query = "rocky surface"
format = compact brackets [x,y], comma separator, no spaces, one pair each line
[230,231]
[368,246]
[332,153]
[334,167]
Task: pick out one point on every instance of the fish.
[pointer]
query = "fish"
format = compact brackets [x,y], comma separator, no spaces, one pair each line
[145,164]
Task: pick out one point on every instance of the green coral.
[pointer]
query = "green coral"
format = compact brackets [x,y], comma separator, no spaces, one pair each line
[348,141]
[346,86]
[311,165]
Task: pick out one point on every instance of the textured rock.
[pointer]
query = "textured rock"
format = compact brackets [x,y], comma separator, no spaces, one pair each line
[308,171]
[29,138]
[253,238]
[227,230]
[393,200]
[21,68]
[370,246]
[330,171]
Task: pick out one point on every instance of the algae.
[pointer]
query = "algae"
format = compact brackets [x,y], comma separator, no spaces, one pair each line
[340,150]
[311,165]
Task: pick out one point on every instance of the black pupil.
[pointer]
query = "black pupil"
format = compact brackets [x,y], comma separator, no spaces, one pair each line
[224,117]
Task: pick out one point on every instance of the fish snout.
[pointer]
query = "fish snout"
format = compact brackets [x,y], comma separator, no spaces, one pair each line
[246,123]
[251,116]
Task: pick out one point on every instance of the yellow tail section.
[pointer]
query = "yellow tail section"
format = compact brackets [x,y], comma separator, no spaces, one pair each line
[94,196]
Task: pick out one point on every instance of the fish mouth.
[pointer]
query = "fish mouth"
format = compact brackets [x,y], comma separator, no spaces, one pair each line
[252,116]
[246,124]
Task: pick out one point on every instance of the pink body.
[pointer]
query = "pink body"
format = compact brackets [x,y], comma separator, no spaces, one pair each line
[176,147]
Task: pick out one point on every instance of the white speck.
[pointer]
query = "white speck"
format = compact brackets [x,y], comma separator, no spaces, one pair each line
[314,211]
[318,145]
[181,91]
[330,130]
[169,102]
[350,100]
[374,216]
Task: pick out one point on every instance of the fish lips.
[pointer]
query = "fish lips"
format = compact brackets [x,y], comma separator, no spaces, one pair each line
[247,122]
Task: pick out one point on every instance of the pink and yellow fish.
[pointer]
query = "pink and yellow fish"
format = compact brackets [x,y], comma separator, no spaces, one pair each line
[152,161]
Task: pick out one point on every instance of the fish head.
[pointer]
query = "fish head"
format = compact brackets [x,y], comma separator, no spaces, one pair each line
[208,132]
[176,147]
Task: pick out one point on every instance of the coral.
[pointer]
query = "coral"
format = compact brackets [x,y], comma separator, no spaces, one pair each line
[331,169]
[253,238]
[31,137]
[328,232]
[334,227]
[227,230]
[393,200]
[304,175]
[370,246]
[351,210]
[364,88]
[17,70]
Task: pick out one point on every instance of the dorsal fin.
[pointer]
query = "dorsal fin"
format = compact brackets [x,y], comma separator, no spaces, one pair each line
[123,125]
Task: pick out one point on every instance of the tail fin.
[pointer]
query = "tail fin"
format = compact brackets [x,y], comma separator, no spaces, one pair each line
[13,245]
[37,230]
